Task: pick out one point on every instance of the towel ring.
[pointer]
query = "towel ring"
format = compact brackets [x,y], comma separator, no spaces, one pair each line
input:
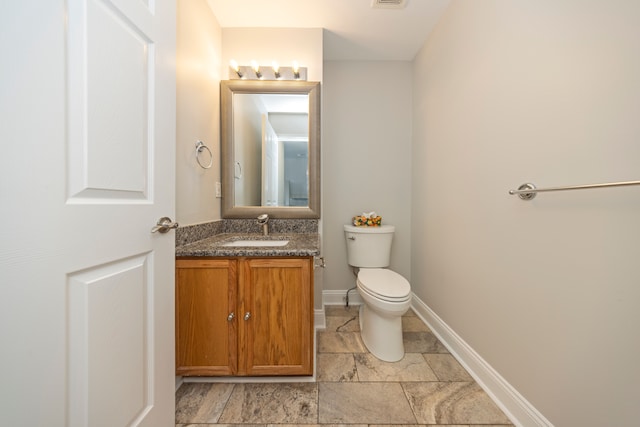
[199,148]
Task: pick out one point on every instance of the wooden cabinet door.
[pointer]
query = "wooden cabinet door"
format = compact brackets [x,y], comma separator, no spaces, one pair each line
[206,336]
[276,304]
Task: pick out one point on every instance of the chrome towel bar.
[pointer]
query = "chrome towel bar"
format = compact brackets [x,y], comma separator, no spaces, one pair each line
[528,191]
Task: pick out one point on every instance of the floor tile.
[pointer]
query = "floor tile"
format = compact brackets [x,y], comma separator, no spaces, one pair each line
[317,425]
[341,310]
[422,342]
[223,425]
[342,323]
[452,403]
[413,324]
[363,403]
[447,368]
[201,402]
[294,403]
[404,425]
[235,425]
[412,367]
[340,342]
[336,367]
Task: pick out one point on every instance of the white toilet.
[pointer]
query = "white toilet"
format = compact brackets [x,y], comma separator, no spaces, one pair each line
[386,294]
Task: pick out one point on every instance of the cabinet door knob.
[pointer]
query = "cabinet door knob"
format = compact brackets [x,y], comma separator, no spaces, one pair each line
[231,316]
[247,315]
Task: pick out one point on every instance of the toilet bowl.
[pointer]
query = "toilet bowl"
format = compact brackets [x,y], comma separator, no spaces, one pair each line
[386,296]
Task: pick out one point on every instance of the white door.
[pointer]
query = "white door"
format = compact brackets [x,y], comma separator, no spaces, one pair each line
[87,138]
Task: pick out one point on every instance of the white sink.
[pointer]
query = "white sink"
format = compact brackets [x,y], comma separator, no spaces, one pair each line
[254,243]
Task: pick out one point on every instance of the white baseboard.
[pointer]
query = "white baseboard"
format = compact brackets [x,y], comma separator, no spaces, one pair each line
[515,406]
[319,319]
[338,297]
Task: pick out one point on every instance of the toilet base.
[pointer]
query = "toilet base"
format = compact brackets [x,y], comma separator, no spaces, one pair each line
[381,334]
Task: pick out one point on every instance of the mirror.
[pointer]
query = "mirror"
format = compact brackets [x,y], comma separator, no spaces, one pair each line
[270,146]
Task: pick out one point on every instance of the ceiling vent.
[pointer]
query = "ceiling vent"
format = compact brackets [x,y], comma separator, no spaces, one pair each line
[388,4]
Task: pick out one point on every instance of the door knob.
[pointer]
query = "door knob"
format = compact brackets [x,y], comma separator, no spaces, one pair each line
[164,224]
[231,316]
[247,316]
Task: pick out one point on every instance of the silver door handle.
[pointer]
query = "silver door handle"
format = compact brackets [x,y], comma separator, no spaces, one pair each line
[247,315]
[164,224]
[231,316]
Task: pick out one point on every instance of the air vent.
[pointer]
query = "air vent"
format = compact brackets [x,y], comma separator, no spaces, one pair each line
[388,4]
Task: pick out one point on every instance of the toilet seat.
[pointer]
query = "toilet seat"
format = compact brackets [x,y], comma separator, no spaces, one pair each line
[384,284]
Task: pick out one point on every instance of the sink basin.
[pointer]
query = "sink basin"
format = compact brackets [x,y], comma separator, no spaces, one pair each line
[254,243]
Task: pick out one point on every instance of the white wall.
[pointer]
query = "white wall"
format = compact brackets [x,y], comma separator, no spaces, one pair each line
[547,291]
[199,46]
[366,147]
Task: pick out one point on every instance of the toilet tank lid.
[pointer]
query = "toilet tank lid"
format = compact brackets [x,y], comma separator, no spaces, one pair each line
[380,229]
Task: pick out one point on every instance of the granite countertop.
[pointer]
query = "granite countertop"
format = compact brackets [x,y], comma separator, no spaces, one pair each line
[300,244]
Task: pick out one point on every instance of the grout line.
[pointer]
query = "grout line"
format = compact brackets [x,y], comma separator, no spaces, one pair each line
[233,389]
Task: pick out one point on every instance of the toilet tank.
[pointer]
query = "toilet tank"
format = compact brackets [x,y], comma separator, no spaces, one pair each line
[369,247]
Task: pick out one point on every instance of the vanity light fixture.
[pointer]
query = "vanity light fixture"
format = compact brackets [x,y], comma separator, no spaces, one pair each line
[274,72]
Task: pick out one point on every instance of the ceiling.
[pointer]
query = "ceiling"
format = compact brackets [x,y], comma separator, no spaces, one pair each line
[353,30]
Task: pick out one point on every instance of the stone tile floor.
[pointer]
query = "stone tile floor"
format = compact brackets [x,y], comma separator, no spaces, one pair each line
[427,387]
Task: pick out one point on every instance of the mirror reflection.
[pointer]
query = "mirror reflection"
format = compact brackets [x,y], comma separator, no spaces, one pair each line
[271,135]
[270,143]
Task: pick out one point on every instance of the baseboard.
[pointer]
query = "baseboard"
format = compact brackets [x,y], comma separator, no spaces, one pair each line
[319,320]
[338,297]
[515,406]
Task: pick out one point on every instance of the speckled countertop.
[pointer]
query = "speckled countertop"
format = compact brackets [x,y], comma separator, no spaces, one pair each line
[300,244]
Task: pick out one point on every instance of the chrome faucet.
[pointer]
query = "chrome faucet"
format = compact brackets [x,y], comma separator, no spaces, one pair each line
[263,220]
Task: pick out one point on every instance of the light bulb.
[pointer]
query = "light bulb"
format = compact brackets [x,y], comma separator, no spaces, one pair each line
[296,70]
[256,68]
[235,67]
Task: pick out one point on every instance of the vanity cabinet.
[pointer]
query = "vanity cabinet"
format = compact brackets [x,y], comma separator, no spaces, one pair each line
[244,316]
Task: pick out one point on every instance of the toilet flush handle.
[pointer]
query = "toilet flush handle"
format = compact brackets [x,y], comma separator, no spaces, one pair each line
[351,237]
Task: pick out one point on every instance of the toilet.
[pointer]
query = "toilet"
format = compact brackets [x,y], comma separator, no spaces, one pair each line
[386,294]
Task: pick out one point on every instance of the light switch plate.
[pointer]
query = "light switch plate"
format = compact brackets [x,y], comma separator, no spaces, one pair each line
[218,190]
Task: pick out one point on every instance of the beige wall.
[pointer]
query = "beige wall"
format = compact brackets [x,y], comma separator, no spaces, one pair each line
[547,291]
[199,46]
[366,147]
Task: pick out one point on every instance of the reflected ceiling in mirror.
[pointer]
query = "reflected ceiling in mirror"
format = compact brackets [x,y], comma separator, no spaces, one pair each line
[270,149]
